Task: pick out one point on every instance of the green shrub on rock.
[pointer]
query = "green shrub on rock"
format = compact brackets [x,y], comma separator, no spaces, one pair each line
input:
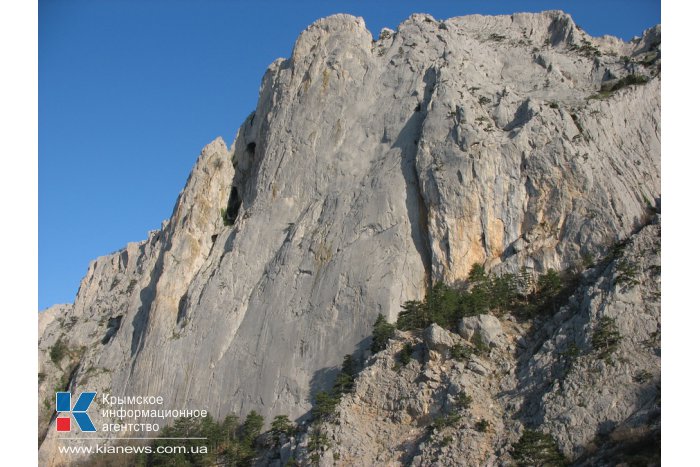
[537,449]
[606,338]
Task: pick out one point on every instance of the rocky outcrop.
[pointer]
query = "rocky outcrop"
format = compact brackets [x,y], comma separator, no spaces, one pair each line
[595,368]
[369,170]
[589,377]
[486,327]
[438,339]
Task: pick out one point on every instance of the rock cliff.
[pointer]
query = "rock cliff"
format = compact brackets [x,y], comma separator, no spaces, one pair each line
[370,170]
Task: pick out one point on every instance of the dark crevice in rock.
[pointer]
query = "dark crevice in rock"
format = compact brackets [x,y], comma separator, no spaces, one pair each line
[233,206]
[250,148]
[113,325]
[213,244]
[416,206]
[181,309]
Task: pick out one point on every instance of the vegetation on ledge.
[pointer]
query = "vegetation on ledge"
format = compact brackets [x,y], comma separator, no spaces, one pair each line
[485,293]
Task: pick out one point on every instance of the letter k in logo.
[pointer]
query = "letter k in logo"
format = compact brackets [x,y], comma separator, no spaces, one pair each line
[79,411]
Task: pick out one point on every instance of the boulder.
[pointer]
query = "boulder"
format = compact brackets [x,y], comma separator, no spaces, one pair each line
[487,326]
[439,339]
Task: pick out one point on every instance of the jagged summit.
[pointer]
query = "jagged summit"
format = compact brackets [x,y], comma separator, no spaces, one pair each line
[369,170]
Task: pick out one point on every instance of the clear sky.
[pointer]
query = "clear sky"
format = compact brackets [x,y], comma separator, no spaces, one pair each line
[130,91]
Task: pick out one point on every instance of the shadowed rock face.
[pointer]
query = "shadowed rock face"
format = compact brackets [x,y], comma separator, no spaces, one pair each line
[368,170]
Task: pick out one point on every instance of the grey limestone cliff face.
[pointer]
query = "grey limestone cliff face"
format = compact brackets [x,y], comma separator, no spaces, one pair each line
[369,170]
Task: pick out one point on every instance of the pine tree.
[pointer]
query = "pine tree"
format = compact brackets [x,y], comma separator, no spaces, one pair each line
[252,426]
[281,425]
[345,379]
[381,333]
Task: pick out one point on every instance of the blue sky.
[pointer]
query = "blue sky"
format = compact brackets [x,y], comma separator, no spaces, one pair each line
[130,91]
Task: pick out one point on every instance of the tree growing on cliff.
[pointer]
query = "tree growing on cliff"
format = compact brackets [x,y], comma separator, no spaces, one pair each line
[381,333]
